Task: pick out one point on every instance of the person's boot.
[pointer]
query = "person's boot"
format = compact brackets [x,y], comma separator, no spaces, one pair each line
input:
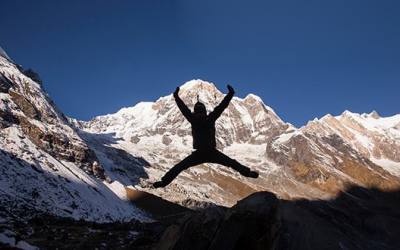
[159,184]
[253,174]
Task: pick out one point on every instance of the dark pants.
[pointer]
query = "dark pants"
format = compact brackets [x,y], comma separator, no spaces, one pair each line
[204,156]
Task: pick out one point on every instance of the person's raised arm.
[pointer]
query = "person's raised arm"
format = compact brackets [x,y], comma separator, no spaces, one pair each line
[223,105]
[182,106]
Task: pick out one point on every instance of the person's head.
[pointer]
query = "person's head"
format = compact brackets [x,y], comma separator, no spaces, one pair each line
[200,109]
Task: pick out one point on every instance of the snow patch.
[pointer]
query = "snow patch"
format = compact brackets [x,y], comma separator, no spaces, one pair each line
[390,166]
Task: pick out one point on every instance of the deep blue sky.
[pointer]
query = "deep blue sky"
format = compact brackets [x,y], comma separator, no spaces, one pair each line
[304,58]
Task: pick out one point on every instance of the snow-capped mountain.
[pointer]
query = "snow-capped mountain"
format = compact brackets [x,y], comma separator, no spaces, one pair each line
[44,163]
[314,161]
[158,134]
[331,152]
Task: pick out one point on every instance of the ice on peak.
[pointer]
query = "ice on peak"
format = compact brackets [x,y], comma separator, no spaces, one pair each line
[347,112]
[255,97]
[327,116]
[195,83]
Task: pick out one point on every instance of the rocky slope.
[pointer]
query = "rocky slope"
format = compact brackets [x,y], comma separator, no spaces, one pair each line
[331,152]
[44,163]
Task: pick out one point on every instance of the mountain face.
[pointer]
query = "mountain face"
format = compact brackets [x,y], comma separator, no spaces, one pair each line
[332,152]
[315,161]
[44,164]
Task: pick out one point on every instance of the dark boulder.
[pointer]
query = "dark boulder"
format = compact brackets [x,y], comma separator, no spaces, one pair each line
[253,223]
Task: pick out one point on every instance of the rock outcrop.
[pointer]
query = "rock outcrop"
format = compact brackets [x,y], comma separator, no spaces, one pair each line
[25,104]
[253,223]
[359,218]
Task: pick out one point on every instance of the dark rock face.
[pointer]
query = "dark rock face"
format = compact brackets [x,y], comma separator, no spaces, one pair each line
[61,147]
[253,223]
[166,140]
[27,102]
[5,84]
[25,105]
[7,119]
[359,218]
[135,139]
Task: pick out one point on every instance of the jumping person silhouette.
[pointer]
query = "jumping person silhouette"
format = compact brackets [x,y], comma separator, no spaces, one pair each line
[203,132]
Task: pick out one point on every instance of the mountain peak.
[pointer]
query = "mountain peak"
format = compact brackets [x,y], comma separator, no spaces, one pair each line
[206,91]
[197,83]
[254,97]
[347,113]
[374,114]
[197,86]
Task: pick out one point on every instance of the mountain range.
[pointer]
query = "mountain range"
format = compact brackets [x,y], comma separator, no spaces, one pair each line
[90,170]
[317,160]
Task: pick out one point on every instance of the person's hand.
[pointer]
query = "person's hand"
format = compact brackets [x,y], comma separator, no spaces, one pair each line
[231,90]
[176,91]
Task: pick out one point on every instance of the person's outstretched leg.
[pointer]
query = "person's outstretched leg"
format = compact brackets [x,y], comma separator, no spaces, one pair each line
[191,160]
[221,158]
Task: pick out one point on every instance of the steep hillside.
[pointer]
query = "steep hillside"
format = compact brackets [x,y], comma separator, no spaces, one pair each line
[44,163]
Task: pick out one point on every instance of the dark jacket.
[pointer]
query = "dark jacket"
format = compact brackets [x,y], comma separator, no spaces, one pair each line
[203,128]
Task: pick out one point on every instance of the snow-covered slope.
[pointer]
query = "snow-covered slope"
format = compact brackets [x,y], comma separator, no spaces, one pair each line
[44,164]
